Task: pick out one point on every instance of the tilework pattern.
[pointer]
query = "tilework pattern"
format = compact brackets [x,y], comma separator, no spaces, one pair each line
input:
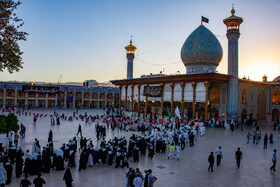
[201,49]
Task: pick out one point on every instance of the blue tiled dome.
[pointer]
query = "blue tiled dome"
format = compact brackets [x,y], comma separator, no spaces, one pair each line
[201,52]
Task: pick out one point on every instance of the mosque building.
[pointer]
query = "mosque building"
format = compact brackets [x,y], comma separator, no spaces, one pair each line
[202,91]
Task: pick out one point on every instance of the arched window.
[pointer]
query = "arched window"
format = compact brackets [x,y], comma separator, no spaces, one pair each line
[275,97]
[214,95]
[244,96]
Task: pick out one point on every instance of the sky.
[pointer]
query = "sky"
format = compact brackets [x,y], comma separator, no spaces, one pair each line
[85,39]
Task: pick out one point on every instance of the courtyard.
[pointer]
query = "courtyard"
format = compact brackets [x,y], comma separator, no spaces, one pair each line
[190,170]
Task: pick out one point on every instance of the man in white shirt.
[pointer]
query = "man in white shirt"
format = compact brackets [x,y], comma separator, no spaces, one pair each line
[137,182]
[219,154]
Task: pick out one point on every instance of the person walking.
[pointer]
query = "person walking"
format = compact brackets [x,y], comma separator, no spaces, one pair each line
[39,181]
[68,178]
[271,138]
[16,137]
[265,140]
[274,158]
[25,182]
[171,150]
[34,120]
[79,130]
[211,161]
[248,137]
[219,154]
[50,138]
[254,136]
[238,157]
[151,179]
[178,150]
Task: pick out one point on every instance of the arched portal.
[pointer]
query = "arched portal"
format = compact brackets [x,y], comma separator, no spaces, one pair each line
[243,115]
[214,112]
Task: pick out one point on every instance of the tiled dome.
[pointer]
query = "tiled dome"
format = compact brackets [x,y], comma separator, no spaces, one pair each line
[201,52]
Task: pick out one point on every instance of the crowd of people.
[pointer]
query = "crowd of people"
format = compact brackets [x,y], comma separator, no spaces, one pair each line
[158,137]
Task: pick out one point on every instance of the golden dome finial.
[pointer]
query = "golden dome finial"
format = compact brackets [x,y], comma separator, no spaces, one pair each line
[232,10]
[130,40]
[130,48]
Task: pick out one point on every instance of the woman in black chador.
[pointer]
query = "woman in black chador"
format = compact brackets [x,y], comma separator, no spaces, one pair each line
[68,178]
[19,164]
[83,160]
[46,159]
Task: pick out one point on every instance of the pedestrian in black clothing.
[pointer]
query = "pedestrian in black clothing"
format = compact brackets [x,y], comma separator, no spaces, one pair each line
[39,181]
[211,160]
[25,182]
[68,178]
[79,130]
[191,137]
[271,138]
[238,157]
[50,136]
[146,179]
[265,140]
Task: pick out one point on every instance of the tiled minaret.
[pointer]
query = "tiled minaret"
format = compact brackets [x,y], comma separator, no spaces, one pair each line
[130,49]
[233,22]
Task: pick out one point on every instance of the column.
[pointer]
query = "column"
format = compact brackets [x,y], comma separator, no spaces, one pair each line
[74,99]
[55,100]
[125,99]
[47,97]
[4,98]
[206,84]
[90,99]
[106,98]
[113,98]
[65,99]
[98,99]
[146,105]
[183,97]
[36,101]
[83,94]
[193,103]
[161,100]
[26,99]
[172,95]
[15,97]
[138,101]
[120,98]
[132,98]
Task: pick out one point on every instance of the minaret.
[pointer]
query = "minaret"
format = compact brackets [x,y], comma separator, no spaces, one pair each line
[233,22]
[130,49]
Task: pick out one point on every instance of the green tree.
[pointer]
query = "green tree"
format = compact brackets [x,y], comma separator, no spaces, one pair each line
[12,123]
[10,53]
[3,123]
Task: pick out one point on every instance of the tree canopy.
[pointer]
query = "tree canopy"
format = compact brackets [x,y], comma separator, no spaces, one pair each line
[10,35]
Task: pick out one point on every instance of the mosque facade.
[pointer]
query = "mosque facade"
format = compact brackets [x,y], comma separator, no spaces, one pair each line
[202,92]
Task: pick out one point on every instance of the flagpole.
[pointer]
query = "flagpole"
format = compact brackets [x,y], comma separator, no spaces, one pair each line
[201,20]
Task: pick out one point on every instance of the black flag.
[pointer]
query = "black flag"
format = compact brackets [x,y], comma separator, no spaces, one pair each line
[204,19]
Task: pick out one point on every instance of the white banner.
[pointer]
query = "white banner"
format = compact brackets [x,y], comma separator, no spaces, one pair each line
[177,112]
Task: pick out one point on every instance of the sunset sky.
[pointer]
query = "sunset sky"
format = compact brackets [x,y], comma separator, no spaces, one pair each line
[85,39]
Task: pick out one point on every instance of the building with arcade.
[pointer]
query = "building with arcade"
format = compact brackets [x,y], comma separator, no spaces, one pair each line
[63,95]
[202,91]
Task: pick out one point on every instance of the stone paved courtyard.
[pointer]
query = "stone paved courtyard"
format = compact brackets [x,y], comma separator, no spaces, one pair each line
[190,170]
